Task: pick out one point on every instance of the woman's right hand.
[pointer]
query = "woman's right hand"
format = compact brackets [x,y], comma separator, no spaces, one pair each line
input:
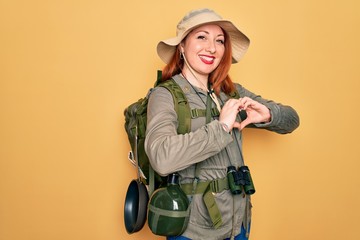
[229,112]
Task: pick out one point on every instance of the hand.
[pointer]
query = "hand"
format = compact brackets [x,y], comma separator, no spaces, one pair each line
[229,112]
[256,112]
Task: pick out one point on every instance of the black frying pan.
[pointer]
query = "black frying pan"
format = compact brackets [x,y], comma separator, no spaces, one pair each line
[136,201]
[135,210]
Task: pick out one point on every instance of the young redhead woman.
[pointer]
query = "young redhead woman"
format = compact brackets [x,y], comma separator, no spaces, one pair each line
[198,59]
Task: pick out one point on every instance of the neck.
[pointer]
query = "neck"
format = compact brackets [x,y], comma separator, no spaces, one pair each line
[197,80]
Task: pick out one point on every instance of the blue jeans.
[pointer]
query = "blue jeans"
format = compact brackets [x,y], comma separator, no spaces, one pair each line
[241,236]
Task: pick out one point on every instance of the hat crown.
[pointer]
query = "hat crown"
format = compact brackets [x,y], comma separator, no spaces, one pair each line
[195,18]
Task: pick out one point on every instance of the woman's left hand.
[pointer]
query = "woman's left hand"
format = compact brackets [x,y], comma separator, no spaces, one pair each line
[256,112]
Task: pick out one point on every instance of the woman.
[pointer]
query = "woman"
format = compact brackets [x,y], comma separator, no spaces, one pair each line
[199,59]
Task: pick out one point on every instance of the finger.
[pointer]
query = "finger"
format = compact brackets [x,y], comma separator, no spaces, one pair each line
[233,103]
[237,125]
[248,104]
[243,124]
[243,101]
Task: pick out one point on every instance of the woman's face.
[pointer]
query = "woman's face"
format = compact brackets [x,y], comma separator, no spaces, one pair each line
[204,48]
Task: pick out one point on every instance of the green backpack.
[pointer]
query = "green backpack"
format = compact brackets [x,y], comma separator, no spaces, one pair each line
[135,126]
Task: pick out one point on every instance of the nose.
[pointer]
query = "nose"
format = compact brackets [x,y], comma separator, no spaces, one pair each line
[211,48]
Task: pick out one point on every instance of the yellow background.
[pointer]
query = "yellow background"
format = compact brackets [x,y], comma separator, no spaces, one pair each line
[69,68]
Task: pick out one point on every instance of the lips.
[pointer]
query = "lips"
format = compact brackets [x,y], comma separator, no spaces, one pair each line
[207,59]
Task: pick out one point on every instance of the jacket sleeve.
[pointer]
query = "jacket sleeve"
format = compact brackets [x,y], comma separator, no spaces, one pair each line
[284,119]
[170,152]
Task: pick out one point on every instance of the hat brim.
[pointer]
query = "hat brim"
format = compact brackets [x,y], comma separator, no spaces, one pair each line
[239,41]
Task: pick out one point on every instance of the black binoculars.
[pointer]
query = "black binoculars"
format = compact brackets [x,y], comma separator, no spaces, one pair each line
[240,179]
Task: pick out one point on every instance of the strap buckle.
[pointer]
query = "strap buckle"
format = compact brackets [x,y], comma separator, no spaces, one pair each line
[219,185]
[194,113]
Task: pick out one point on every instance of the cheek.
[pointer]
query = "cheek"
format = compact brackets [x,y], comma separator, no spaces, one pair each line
[195,48]
[221,51]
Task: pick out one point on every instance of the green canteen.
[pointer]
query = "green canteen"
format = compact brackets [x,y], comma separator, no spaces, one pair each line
[168,210]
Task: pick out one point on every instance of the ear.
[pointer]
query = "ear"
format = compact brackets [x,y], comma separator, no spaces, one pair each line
[181,47]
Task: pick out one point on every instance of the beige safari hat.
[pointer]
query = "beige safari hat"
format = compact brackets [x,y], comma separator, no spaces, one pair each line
[239,42]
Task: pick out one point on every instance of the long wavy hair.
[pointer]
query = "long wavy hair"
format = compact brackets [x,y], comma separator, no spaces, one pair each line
[219,78]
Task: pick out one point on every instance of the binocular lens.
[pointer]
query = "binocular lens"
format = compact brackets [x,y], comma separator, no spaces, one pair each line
[233,180]
[239,179]
[249,187]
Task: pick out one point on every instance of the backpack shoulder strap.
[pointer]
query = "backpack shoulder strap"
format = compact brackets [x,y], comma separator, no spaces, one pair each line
[182,109]
[159,78]
[181,105]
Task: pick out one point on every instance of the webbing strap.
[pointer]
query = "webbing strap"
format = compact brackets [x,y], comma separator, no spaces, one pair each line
[181,105]
[159,77]
[195,112]
[212,207]
[208,108]
[169,213]
[207,189]
[216,186]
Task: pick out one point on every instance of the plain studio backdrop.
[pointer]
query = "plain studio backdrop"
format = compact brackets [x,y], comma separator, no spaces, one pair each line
[69,68]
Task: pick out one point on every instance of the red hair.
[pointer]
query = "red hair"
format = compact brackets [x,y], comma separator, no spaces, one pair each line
[219,78]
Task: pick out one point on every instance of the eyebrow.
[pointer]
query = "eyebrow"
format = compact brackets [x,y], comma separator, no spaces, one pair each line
[221,34]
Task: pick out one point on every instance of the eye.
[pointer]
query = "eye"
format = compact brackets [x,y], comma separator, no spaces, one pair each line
[202,37]
[221,41]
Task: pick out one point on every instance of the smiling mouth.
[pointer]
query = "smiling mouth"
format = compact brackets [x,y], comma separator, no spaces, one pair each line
[207,59]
